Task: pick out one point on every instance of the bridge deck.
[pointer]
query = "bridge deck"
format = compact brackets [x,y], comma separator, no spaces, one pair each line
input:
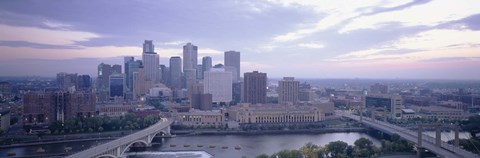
[98,150]
[445,150]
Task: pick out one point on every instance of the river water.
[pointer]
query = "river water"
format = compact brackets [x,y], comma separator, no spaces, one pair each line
[224,145]
[250,145]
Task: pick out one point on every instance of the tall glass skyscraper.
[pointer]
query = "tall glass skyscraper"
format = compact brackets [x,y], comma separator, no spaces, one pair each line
[190,54]
[150,61]
[232,64]
[176,72]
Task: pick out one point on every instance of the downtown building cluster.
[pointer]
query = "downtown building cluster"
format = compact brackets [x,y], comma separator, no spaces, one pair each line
[194,92]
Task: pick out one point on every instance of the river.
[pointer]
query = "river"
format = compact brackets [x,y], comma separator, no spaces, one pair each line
[251,145]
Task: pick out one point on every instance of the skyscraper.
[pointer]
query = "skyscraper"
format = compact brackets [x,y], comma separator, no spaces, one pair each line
[199,72]
[255,87]
[131,67]
[150,61]
[117,69]
[191,80]
[176,72]
[206,64]
[190,54]
[218,82]
[148,46]
[84,82]
[288,90]
[140,85]
[66,80]
[117,85]
[104,72]
[232,63]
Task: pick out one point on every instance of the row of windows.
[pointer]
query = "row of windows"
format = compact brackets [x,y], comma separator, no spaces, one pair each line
[295,118]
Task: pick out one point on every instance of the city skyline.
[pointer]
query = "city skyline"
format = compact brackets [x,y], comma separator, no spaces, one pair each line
[319,40]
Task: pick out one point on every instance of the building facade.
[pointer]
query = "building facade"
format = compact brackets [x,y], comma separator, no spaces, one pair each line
[385,105]
[176,72]
[201,118]
[232,64]
[288,91]
[218,83]
[190,56]
[246,113]
[255,87]
[40,108]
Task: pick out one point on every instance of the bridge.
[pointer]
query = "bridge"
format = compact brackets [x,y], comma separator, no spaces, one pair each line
[434,145]
[118,147]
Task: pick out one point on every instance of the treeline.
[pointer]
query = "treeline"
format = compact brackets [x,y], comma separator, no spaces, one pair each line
[362,147]
[99,124]
[472,125]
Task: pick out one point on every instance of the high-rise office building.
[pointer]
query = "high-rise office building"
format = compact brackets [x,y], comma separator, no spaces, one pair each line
[67,80]
[255,87]
[104,72]
[84,82]
[176,72]
[190,79]
[218,82]
[232,63]
[140,84]
[190,54]
[206,63]
[131,67]
[165,73]
[288,90]
[199,72]
[117,85]
[117,69]
[150,61]
[148,46]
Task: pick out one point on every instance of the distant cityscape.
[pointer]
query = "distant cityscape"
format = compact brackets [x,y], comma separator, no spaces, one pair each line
[198,96]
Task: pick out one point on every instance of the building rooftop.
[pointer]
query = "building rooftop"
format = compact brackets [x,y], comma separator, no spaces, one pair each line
[408,111]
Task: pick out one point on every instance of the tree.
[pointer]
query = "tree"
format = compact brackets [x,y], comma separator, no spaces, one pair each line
[262,156]
[472,125]
[310,150]
[364,147]
[336,148]
[288,154]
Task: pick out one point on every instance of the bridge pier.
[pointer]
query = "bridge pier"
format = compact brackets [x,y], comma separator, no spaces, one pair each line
[457,138]
[438,135]
[420,139]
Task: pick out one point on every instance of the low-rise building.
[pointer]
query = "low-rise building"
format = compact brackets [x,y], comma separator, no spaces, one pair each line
[439,113]
[408,114]
[278,113]
[114,110]
[201,118]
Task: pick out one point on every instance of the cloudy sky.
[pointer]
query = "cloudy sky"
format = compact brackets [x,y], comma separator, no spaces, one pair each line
[304,39]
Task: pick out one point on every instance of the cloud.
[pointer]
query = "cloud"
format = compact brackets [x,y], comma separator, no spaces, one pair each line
[43,36]
[311,45]
[431,44]
[332,14]
[174,43]
[428,14]
[56,25]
